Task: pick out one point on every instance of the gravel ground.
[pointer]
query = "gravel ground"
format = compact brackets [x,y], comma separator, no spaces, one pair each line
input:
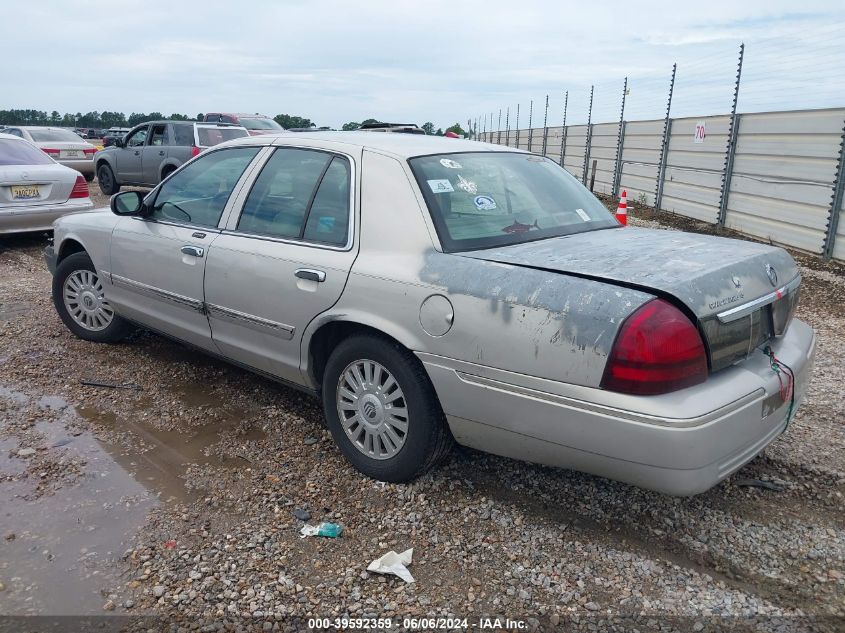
[178,499]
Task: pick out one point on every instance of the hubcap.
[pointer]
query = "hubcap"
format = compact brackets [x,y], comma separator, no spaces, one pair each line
[85,301]
[372,409]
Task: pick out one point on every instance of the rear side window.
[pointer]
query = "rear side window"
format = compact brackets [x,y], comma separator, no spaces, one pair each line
[198,193]
[210,136]
[300,194]
[21,153]
[158,136]
[183,134]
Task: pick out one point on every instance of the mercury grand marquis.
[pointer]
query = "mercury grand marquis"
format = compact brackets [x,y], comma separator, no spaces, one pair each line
[433,291]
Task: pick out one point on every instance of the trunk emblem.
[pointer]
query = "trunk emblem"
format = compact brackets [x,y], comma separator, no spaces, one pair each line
[737,283]
[772,274]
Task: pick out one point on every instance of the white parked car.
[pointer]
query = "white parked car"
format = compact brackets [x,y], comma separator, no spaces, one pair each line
[34,189]
[61,144]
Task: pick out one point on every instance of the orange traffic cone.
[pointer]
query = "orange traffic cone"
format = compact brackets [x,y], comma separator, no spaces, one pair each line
[622,209]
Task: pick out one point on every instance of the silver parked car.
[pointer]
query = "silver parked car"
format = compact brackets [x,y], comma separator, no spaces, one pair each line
[61,144]
[150,152]
[34,189]
[432,290]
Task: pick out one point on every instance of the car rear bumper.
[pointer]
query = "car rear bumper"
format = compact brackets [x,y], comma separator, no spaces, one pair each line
[83,166]
[681,444]
[22,219]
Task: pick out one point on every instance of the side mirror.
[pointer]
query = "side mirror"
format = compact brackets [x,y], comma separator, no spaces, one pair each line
[118,142]
[127,203]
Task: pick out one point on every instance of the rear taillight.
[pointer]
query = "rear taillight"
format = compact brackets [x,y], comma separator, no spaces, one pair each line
[195,151]
[80,188]
[53,153]
[90,151]
[657,350]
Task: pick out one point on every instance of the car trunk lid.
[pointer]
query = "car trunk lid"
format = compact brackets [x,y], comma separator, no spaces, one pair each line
[30,185]
[741,293]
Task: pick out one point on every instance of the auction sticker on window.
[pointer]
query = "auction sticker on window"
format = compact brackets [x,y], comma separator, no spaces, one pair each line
[440,186]
[582,214]
[484,203]
[451,164]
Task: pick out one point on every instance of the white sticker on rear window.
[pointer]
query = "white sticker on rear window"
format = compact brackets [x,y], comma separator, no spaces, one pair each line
[583,214]
[484,203]
[451,164]
[440,186]
[467,185]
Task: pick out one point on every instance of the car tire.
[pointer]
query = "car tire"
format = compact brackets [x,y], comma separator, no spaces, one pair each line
[370,434]
[166,172]
[108,183]
[89,177]
[78,297]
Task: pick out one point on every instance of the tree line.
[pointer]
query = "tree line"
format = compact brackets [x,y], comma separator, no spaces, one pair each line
[108,119]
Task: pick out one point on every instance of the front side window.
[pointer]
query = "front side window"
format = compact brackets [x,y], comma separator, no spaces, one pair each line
[198,193]
[300,194]
[487,199]
[137,138]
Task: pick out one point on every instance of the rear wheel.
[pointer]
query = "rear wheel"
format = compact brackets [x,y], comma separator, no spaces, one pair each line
[108,183]
[382,409]
[89,177]
[81,303]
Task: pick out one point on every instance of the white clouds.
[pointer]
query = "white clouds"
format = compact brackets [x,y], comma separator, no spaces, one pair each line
[336,61]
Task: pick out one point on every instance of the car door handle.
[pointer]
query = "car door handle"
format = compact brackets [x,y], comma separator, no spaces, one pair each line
[310,274]
[196,251]
[161,153]
[137,152]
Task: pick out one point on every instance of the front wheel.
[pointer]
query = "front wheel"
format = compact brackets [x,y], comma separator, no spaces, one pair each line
[81,303]
[382,409]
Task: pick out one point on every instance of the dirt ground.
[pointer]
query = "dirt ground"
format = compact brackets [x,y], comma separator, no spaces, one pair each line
[175,496]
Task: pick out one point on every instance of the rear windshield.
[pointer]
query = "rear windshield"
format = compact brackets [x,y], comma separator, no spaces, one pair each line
[21,153]
[209,136]
[487,199]
[259,123]
[63,136]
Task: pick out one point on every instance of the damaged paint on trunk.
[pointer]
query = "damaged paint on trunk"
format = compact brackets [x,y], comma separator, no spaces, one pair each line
[569,323]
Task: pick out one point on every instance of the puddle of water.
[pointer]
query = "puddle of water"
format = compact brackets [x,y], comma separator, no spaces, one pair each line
[67,544]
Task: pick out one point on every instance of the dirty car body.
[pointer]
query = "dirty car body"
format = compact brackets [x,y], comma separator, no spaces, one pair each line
[530,322]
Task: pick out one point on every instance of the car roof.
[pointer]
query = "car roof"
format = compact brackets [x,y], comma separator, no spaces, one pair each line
[401,145]
[241,115]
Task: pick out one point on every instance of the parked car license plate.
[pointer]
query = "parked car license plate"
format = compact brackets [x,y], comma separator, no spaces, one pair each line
[70,153]
[25,192]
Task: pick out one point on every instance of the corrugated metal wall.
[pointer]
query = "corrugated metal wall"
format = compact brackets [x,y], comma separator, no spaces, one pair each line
[781,183]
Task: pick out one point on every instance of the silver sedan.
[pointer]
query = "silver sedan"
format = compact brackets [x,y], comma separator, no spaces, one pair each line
[61,144]
[433,291]
[34,189]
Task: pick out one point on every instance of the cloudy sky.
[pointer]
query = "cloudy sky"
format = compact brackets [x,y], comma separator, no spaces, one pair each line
[429,60]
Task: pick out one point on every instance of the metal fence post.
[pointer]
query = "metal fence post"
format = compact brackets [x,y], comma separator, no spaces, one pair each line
[664,146]
[499,129]
[731,149]
[517,126]
[588,139]
[620,138]
[508,126]
[546,127]
[835,202]
[530,123]
[563,129]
